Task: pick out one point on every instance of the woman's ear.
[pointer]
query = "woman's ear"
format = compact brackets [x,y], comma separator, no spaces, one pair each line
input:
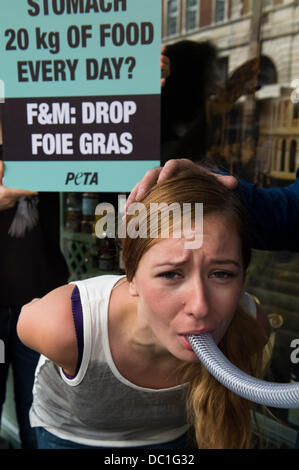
[132,288]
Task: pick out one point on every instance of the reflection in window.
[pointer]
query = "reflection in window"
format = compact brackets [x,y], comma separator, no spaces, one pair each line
[275,157]
[191,14]
[172,17]
[250,127]
[276,116]
[283,155]
[280,119]
[296,110]
[237,7]
[293,150]
[221,69]
[267,4]
[219,11]
[286,109]
[268,72]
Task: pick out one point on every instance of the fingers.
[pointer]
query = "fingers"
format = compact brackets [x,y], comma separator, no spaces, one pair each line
[229,181]
[142,187]
[148,181]
[9,197]
[157,175]
[17,193]
[164,66]
[132,196]
[171,167]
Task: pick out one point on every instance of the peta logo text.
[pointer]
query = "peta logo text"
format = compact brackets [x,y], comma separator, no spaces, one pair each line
[82,178]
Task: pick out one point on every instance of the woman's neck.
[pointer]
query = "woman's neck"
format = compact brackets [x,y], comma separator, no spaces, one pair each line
[136,352]
[135,332]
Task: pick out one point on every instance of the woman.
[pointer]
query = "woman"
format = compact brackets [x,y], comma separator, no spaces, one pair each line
[117,368]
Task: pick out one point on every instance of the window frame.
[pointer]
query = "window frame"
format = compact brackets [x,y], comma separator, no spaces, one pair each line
[172,16]
[194,8]
[267,6]
[225,4]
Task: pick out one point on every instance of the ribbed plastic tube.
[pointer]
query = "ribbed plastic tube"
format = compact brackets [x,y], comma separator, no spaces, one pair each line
[276,395]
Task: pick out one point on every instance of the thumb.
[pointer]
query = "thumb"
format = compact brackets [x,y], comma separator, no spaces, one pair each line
[229,181]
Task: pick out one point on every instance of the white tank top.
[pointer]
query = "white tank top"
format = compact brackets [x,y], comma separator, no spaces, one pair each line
[100,407]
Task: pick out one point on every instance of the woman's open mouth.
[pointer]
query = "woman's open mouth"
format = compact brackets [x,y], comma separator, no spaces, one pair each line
[184,341]
[183,338]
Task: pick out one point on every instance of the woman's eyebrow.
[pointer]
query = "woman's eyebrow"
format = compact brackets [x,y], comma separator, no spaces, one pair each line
[211,261]
[225,261]
[171,263]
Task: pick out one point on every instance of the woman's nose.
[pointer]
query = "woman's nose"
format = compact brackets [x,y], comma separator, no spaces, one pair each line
[196,301]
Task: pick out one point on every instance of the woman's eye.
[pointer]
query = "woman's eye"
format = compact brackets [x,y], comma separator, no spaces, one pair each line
[169,275]
[223,275]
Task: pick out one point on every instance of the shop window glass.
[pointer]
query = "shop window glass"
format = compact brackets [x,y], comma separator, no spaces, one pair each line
[275,158]
[191,14]
[172,17]
[283,156]
[219,10]
[296,110]
[293,151]
[267,4]
[247,125]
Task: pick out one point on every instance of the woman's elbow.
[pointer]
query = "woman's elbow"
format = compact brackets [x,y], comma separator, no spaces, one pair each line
[24,324]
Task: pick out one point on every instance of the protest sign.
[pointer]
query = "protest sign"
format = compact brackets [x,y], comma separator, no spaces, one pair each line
[80,81]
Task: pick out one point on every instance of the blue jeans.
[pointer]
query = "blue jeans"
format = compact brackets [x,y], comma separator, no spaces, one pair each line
[23,362]
[47,440]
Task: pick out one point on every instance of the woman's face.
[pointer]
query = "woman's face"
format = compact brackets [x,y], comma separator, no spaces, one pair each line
[182,291]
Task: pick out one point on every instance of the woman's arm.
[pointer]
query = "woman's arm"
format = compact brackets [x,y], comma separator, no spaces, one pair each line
[274,215]
[47,326]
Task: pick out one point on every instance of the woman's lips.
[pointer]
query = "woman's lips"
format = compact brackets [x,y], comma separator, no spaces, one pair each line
[183,338]
[184,341]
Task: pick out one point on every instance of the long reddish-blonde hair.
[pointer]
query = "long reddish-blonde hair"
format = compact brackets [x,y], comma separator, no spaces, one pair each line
[219,418]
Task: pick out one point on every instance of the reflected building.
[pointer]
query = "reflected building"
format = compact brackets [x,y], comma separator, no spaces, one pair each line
[254,115]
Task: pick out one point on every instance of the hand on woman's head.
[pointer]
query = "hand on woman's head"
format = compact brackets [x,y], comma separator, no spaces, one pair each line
[171,167]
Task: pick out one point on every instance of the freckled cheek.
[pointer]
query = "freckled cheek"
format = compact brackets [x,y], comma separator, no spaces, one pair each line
[230,297]
[226,306]
[154,294]
[160,305]
[224,318]
[163,305]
